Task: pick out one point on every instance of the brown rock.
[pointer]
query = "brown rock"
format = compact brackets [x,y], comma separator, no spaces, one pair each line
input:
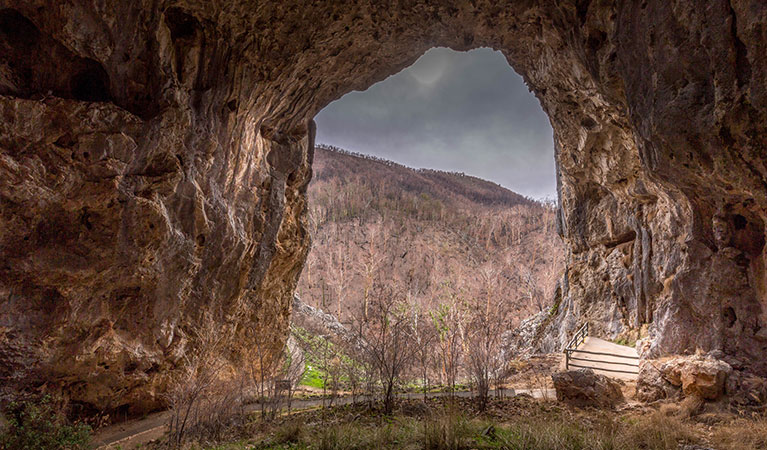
[651,384]
[698,375]
[154,157]
[583,387]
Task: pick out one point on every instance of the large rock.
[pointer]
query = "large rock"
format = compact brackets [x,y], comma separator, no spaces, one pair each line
[698,375]
[652,385]
[153,159]
[701,376]
[583,387]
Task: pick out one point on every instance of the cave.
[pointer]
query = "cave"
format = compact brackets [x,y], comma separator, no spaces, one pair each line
[659,114]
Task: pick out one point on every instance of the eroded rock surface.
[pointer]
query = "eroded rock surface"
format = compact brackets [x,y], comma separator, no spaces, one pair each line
[155,155]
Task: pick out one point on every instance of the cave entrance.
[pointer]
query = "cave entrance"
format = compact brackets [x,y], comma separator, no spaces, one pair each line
[475,218]
[431,201]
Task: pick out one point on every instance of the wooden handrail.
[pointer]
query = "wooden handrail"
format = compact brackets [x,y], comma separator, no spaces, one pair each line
[578,339]
[606,370]
[572,358]
[574,350]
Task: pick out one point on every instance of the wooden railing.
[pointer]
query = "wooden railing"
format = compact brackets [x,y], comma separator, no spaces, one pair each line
[579,336]
[629,365]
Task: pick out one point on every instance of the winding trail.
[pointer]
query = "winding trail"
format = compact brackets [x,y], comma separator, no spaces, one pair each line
[134,433]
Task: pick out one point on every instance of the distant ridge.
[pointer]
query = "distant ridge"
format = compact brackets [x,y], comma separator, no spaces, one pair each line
[438,182]
[429,236]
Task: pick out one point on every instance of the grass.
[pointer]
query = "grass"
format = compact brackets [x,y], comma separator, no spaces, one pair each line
[508,424]
[313,377]
[512,424]
[456,432]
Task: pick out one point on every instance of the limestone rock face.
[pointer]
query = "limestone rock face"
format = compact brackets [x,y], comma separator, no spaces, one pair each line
[154,155]
[583,387]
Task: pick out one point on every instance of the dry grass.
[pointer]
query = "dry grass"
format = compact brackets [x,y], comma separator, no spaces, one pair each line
[516,423]
[511,424]
[741,434]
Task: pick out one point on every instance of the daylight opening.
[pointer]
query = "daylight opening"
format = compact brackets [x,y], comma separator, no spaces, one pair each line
[433,201]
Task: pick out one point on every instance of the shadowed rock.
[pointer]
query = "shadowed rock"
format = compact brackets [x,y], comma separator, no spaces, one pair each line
[583,387]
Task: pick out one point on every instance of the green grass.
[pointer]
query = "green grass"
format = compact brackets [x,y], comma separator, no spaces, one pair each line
[319,352]
[313,377]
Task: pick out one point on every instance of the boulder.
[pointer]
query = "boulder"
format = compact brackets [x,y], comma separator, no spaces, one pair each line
[746,390]
[651,384]
[583,387]
[697,375]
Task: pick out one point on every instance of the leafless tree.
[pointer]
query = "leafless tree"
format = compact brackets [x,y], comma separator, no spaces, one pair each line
[384,338]
[484,350]
[422,338]
[201,402]
[449,320]
[293,368]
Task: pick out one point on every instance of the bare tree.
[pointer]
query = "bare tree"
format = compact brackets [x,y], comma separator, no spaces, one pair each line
[294,367]
[422,338]
[484,350]
[448,319]
[371,263]
[384,338]
[201,402]
[339,272]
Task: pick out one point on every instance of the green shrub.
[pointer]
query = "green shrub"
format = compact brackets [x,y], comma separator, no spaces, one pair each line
[39,425]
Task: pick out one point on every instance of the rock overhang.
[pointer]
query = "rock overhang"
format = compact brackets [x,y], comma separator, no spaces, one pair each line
[178,215]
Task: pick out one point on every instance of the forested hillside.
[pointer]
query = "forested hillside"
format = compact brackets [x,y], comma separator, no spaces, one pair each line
[427,237]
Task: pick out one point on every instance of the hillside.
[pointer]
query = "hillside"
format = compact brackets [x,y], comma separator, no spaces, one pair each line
[426,236]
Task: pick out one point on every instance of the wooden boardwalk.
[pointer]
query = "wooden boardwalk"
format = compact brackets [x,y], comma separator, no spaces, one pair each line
[603,357]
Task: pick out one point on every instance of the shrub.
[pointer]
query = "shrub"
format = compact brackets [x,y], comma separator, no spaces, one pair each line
[40,425]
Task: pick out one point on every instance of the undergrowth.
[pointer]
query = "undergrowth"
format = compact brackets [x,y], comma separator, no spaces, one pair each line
[511,424]
[40,425]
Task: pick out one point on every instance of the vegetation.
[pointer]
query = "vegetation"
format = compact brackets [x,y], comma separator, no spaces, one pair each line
[40,424]
[429,233]
[509,424]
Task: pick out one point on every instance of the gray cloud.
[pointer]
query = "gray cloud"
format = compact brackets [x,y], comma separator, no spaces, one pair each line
[466,112]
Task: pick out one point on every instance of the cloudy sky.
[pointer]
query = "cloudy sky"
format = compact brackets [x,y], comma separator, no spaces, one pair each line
[459,111]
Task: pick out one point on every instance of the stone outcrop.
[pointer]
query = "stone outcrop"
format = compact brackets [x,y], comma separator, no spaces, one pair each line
[699,376]
[154,157]
[583,387]
[320,323]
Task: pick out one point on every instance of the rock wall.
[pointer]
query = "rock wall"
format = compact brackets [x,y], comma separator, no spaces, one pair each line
[154,157]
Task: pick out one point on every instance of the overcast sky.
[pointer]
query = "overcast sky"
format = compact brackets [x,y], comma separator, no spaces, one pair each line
[459,111]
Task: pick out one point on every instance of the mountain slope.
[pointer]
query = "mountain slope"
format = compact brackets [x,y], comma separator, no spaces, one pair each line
[427,236]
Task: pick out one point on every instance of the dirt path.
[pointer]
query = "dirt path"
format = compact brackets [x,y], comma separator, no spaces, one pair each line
[137,432]
[593,344]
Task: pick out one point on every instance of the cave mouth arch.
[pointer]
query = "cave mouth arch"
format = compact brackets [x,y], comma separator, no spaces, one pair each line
[658,118]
